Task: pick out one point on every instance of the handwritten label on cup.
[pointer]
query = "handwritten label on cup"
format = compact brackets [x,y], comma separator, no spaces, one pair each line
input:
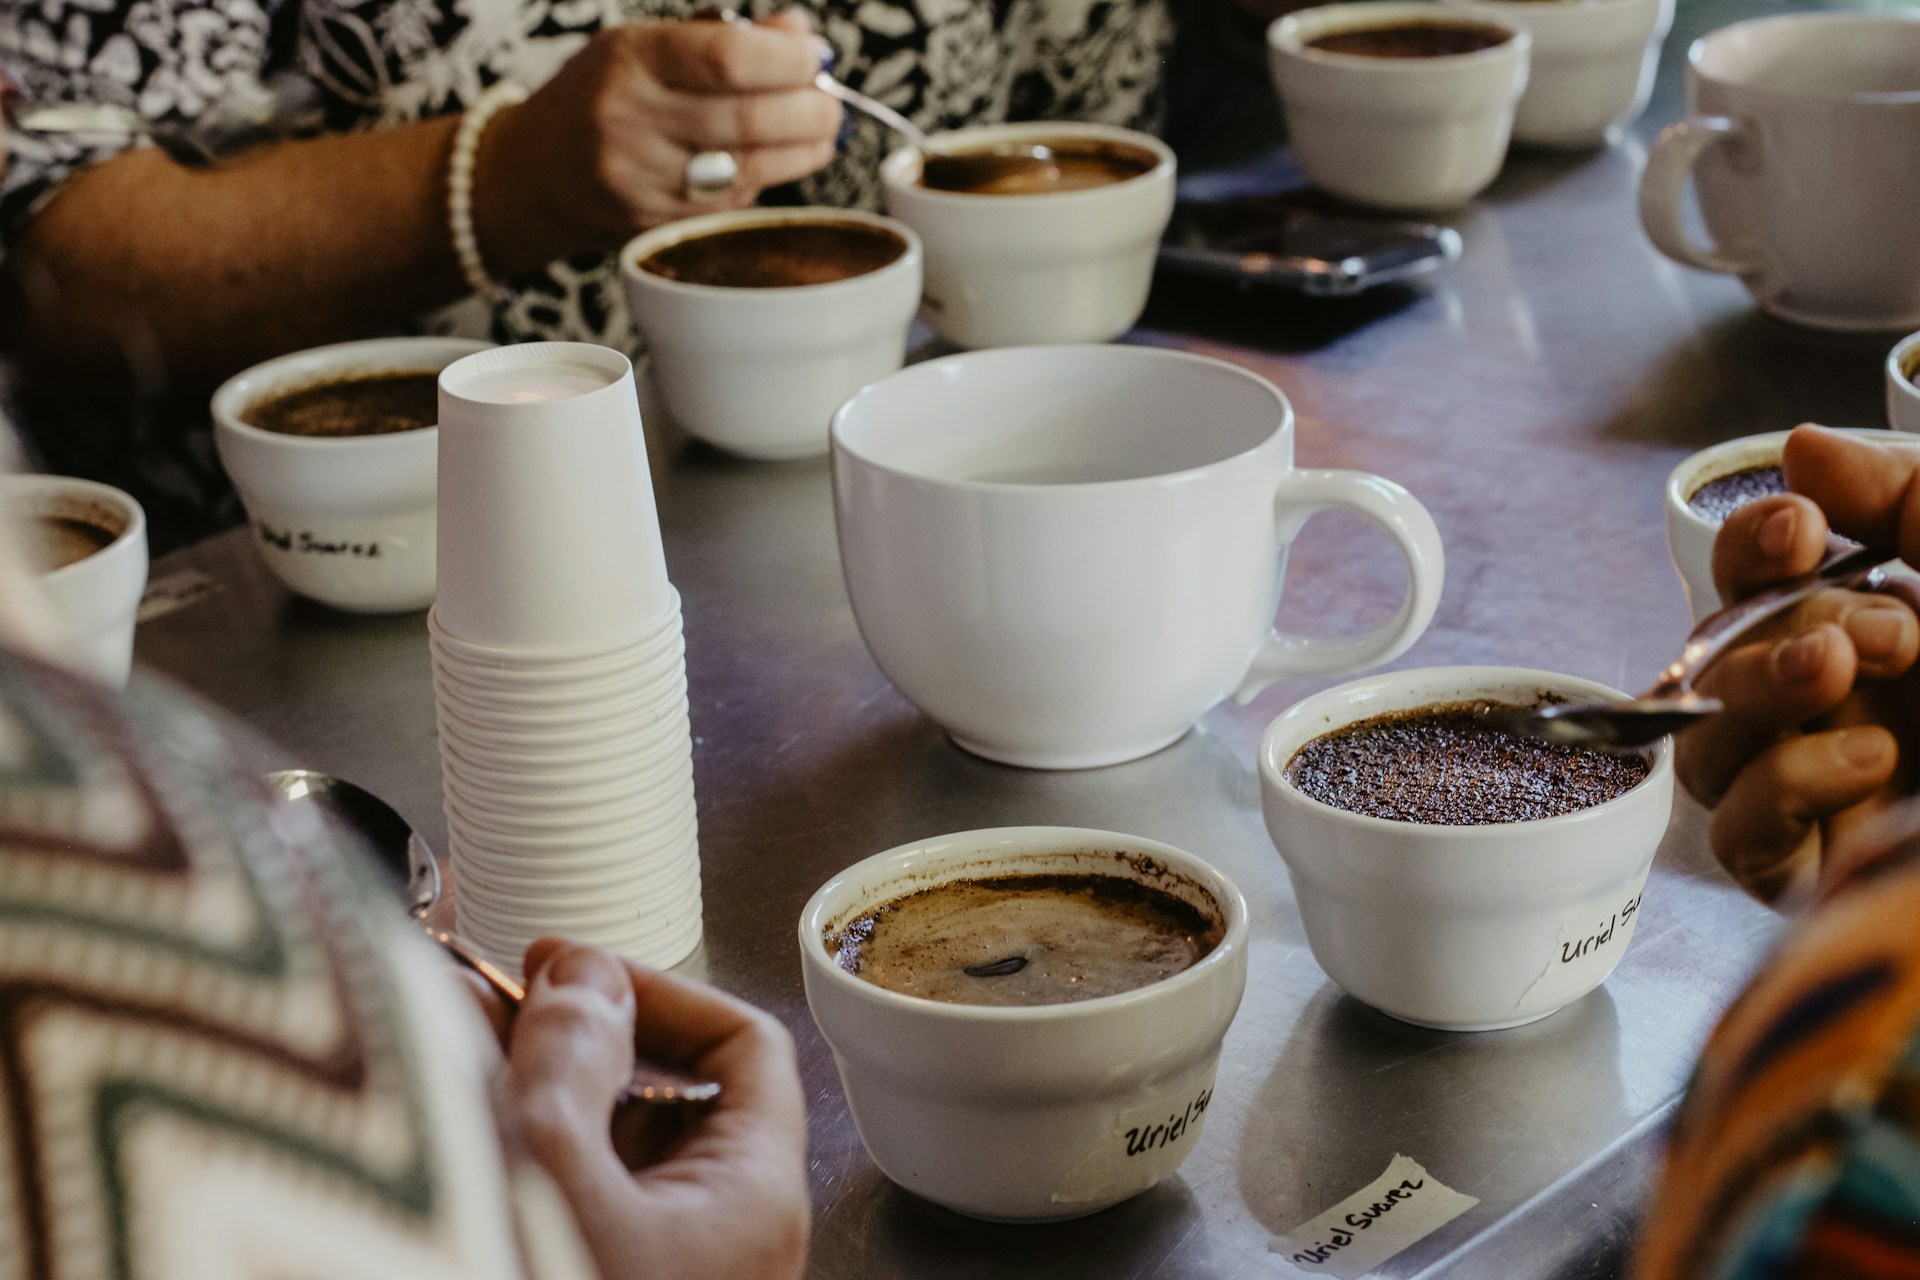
[1147,1143]
[1403,1205]
[1588,947]
[306,543]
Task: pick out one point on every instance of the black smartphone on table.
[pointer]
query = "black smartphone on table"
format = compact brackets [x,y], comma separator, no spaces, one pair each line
[1271,242]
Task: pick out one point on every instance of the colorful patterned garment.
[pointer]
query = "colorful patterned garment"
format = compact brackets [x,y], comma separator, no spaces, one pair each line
[1797,1151]
[222,1055]
[384,62]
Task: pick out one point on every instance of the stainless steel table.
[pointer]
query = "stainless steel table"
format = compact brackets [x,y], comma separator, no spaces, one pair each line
[1535,399]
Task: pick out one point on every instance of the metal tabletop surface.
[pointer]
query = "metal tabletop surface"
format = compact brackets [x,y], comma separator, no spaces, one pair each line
[1534,397]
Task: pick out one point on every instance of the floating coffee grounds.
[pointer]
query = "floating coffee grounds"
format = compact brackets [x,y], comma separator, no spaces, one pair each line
[1444,765]
[778,255]
[1026,939]
[1412,39]
[1719,498]
[375,404]
[1078,163]
[54,542]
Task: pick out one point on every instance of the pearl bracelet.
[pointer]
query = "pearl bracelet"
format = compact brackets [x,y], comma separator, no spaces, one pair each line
[466,143]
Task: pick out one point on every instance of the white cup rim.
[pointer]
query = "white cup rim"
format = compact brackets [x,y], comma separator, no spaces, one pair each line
[1273,770]
[895,168]
[1283,35]
[1699,48]
[1903,366]
[231,396]
[930,369]
[1225,894]
[1704,465]
[580,711]
[693,228]
[462,650]
[490,680]
[26,485]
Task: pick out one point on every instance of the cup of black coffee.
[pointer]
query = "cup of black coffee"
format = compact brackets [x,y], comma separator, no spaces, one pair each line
[1020,254]
[87,544]
[760,322]
[335,452]
[1448,873]
[1027,1020]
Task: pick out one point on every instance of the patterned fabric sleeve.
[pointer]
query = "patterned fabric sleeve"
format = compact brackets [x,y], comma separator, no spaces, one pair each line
[166,59]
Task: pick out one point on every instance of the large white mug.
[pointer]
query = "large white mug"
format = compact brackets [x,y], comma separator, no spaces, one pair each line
[1066,555]
[1803,139]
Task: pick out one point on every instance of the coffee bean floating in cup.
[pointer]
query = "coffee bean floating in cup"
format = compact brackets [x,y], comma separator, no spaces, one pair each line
[1025,939]
[1078,164]
[1425,39]
[1442,765]
[777,255]
[374,404]
[1723,495]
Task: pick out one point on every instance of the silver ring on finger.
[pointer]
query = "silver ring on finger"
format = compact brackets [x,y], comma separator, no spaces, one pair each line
[711,175]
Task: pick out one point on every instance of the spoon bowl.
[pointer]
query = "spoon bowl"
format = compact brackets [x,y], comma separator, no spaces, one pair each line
[945,170]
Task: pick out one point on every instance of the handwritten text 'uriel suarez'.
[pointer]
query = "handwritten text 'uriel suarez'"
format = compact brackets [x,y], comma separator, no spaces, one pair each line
[1359,1220]
[1144,1138]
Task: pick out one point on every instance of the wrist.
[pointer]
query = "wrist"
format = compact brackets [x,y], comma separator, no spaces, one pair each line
[507,237]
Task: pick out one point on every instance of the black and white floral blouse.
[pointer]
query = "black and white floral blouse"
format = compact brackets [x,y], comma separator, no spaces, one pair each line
[385,62]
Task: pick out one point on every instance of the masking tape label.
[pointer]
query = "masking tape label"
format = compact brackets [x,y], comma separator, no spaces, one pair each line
[1400,1207]
[1147,1143]
[1588,947]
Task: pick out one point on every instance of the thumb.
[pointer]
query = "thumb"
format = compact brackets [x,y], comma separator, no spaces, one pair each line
[571,1054]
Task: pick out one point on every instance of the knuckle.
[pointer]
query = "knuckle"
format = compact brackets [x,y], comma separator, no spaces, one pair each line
[724,59]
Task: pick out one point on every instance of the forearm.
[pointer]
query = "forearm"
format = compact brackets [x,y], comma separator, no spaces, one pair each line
[212,269]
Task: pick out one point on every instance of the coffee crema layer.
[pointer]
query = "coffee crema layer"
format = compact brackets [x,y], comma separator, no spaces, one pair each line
[54,542]
[1078,164]
[373,404]
[1446,766]
[777,255]
[1424,39]
[1722,496]
[1026,939]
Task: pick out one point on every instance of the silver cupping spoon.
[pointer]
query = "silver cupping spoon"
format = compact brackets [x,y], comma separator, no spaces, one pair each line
[944,170]
[1671,704]
[401,851]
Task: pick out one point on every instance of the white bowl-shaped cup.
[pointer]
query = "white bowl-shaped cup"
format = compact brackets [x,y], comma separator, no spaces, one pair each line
[1062,266]
[95,600]
[1397,133]
[547,516]
[759,371]
[1592,67]
[1468,928]
[1903,384]
[1690,535]
[1027,1114]
[1066,555]
[346,520]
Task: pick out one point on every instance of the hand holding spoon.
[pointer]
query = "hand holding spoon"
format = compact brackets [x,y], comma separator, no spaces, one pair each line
[401,850]
[1671,704]
[952,170]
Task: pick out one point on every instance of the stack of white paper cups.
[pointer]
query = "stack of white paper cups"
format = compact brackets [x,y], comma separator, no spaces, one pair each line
[558,662]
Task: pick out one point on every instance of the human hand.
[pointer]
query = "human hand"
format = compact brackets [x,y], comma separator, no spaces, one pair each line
[725,1198]
[600,152]
[1822,723]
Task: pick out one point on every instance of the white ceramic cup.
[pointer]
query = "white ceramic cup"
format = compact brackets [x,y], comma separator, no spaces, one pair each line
[1903,393]
[1803,140]
[1062,266]
[1690,535]
[1397,133]
[546,503]
[1024,1114]
[758,372]
[1461,928]
[1592,67]
[95,600]
[1066,555]
[349,520]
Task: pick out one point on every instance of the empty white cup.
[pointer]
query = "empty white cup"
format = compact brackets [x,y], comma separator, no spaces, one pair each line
[547,517]
[1468,928]
[1063,266]
[1397,133]
[759,372]
[1024,1114]
[346,520]
[1066,555]
[1592,67]
[95,600]
[1903,384]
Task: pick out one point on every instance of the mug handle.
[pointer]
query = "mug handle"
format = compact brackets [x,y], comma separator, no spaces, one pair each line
[1304,494]
[1663,187]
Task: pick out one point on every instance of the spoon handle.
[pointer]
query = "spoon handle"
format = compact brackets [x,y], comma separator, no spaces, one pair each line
[880,111]
[650,1084]
[1846,566]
